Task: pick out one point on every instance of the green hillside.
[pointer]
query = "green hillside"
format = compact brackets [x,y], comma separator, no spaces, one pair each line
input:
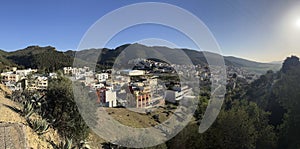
[42,58]
[279,93]
[4,62]
[49,59]
[108,56]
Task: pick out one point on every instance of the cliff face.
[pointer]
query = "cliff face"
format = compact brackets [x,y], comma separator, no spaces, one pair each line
[290,63]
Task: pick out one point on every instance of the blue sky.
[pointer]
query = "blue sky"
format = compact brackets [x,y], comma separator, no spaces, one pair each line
[261,30]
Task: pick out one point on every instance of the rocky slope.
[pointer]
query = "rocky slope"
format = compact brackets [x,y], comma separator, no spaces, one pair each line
[9,114]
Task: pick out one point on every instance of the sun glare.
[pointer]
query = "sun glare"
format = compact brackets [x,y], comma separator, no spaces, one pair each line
[298,23]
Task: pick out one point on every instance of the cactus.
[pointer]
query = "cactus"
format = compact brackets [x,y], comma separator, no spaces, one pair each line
[66,144]
[27,109]
[40,126]
[84,145]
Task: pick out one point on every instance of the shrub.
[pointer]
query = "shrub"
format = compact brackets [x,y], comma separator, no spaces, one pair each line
[40,126]
[27,109]
[67,144]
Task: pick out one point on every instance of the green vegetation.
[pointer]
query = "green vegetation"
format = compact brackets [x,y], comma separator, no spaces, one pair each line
[242,126]
[27,109]
[48,59]
[286,92]
[67,144]
[263,114]
[40,126]
[4,62]
[42,58]
[62,111]
[56,108]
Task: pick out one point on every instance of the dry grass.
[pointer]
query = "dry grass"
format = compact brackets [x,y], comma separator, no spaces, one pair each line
[138,120]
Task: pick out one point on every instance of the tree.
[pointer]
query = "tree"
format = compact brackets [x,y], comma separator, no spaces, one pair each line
[244,125]
[266,135]
[287,93]
[62,110]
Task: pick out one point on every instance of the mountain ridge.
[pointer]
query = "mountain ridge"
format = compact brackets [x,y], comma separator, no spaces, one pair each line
[48,58]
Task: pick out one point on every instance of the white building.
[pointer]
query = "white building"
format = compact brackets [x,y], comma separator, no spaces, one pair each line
[175,96]
[89,81]
[68,70]
[111,98]
[36,83]
[107,97]
[26,72]
[72,71]
[53,75]
[133,72]
[10,77]
[97,85]
[13,86]
[89,74]
[102,77]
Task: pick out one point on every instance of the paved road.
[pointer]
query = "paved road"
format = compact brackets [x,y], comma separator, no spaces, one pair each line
[12,136]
